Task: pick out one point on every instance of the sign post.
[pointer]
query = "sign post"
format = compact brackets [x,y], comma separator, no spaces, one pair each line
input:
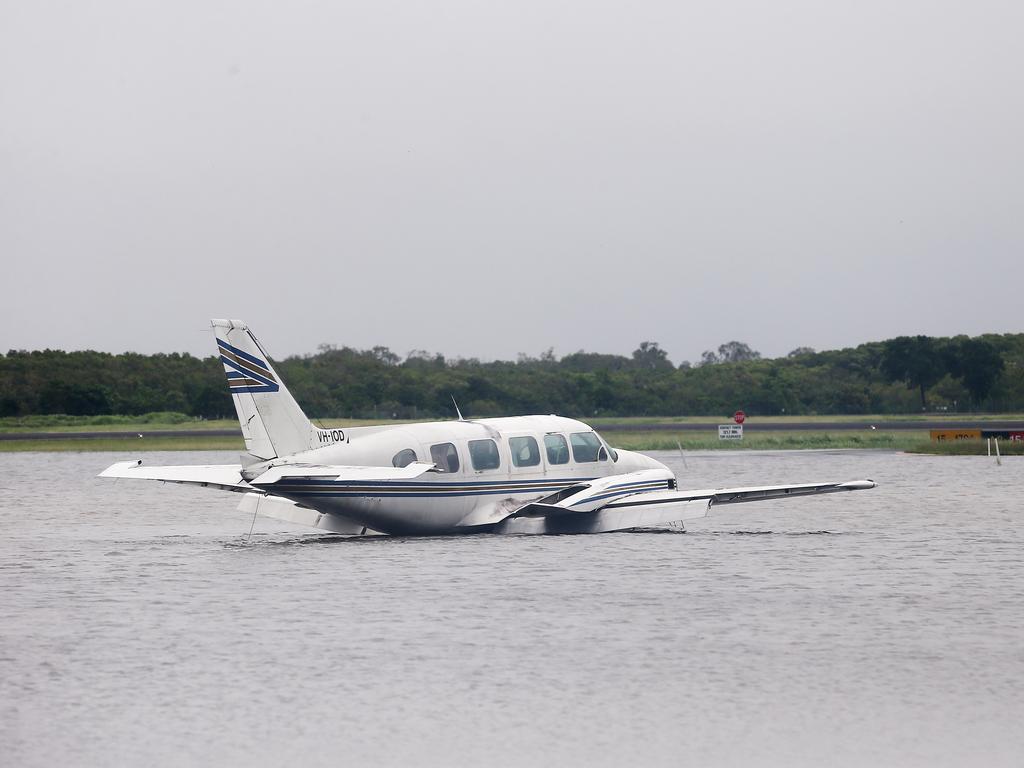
[733,431]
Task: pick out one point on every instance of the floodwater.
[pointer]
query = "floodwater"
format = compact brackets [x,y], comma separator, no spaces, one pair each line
[138,626]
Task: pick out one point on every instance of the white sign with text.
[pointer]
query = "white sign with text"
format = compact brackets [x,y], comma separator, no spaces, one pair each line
[730,431]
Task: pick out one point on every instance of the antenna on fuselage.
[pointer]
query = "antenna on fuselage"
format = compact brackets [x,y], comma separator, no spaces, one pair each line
[457,408]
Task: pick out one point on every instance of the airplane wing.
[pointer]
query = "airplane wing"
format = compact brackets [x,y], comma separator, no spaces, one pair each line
[227,477]
[597,507]
[763,492]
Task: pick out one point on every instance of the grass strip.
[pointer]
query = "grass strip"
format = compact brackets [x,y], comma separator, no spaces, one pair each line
[769,441]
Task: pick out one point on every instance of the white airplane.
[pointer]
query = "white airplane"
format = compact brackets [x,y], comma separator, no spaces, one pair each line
[525,474]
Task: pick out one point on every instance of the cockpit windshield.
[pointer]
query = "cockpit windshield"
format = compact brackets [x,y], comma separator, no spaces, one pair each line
[586,447]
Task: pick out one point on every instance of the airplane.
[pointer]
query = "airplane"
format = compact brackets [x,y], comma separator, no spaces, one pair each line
[516,475]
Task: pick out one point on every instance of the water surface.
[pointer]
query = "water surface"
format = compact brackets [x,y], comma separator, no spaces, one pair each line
[139,626]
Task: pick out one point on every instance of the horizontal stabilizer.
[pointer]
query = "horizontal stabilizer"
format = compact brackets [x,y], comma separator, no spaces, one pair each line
[225,476]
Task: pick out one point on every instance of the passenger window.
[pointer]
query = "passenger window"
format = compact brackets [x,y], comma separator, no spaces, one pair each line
[484,454]
[586,447]
[404,458]
[445,457]
[524,450]
[557,448]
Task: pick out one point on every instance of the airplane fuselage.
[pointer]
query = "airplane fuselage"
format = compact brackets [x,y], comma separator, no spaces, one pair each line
[486,468]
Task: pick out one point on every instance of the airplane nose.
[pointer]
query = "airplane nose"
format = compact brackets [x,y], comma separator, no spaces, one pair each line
[654,463]
[638,461]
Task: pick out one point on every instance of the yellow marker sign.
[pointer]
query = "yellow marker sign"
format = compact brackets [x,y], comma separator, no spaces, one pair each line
[941,435]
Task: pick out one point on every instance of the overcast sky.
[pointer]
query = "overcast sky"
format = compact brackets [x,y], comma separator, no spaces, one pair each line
[487,178]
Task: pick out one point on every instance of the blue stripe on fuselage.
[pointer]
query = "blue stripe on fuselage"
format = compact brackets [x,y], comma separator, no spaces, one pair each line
[561,482]
[414,490]
[382,494]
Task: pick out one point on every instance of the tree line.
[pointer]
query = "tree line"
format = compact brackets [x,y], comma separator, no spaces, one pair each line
[902,375]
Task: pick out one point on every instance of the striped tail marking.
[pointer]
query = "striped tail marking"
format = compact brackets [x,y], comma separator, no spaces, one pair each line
[245,372]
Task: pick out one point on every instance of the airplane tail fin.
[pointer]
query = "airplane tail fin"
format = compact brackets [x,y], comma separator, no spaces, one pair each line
[272,422]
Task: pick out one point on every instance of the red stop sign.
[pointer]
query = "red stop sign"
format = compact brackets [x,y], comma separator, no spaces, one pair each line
[739,417]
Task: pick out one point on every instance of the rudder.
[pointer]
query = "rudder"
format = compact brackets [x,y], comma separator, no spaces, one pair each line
[273,424]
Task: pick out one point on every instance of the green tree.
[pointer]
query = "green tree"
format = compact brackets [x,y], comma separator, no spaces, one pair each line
[730,352]
[915,360]
[650,357]
[737,352]
[977,363]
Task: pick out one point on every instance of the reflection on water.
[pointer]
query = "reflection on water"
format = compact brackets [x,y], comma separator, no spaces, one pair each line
[138,624]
